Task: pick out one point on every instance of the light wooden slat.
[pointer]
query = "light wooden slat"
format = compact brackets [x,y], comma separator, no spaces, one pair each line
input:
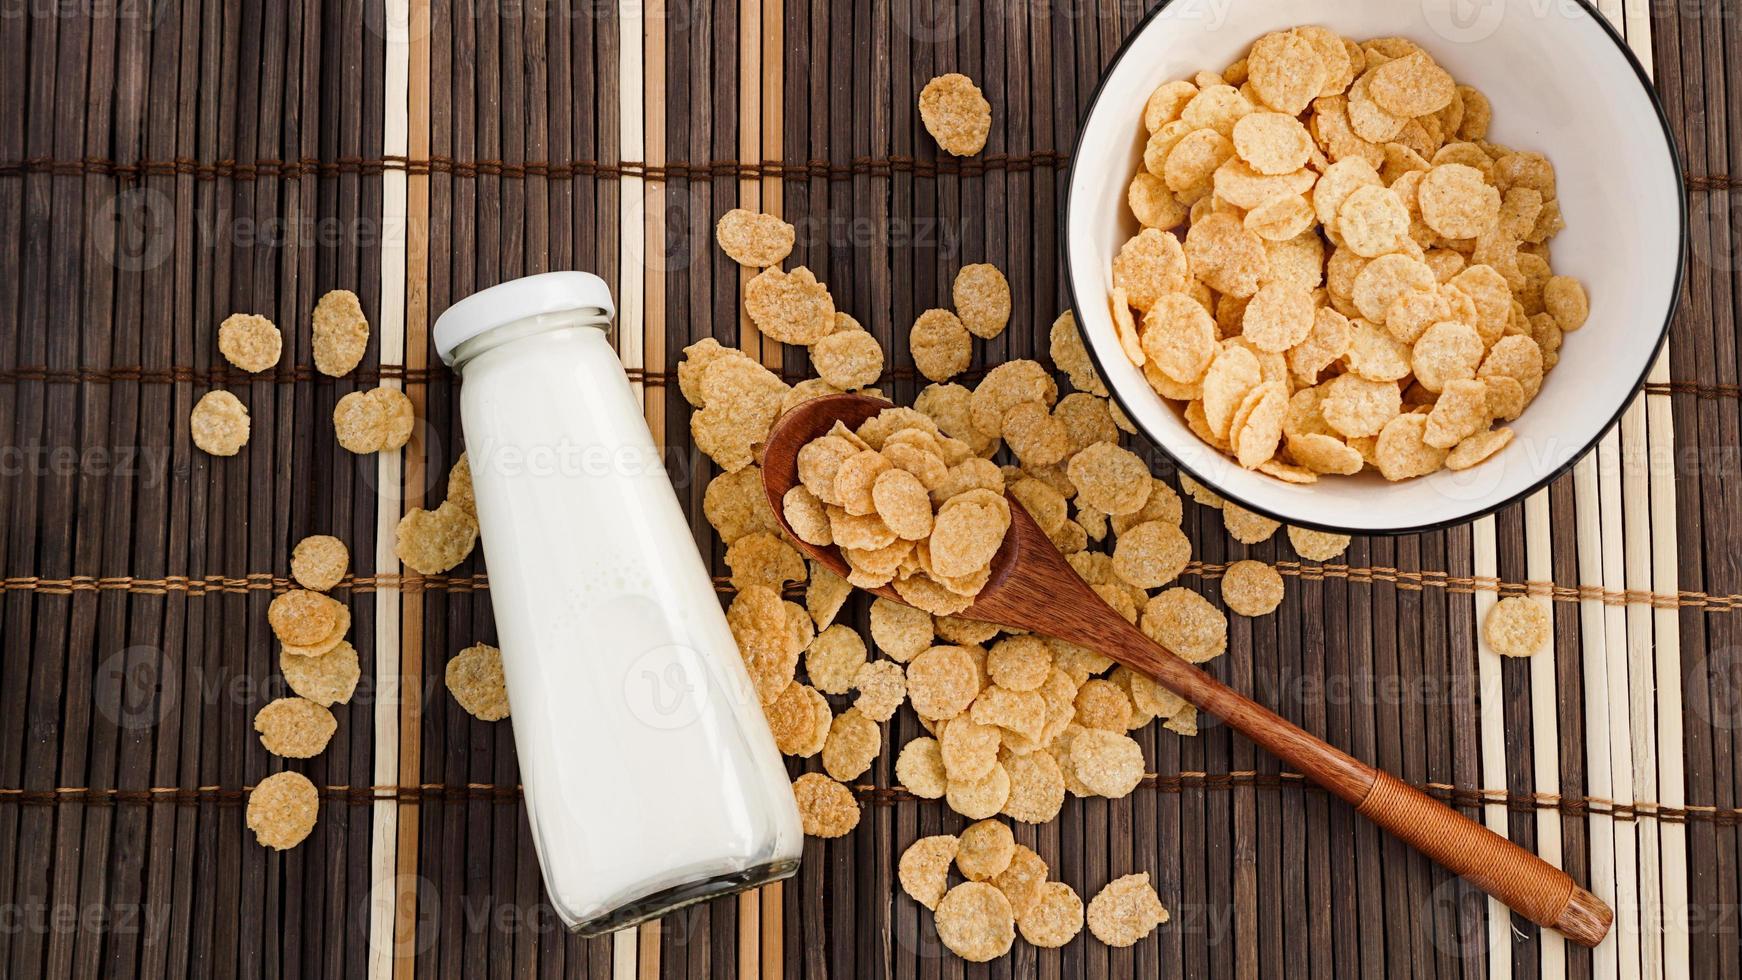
[384,834]
[1486,563]
[1625,935]
[1599,780]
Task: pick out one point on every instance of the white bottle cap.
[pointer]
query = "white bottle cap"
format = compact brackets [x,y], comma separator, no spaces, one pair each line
[517,299]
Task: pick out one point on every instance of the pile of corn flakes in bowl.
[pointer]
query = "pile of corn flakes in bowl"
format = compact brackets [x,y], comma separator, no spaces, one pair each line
[1327,288]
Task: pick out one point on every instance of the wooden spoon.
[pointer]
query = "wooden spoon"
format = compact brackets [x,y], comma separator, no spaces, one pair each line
[1032,587]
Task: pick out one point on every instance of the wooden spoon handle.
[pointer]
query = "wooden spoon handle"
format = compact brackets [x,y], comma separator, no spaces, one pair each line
[1539,891]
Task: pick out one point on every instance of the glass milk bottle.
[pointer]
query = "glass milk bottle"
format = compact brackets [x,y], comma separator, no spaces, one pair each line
[650,775]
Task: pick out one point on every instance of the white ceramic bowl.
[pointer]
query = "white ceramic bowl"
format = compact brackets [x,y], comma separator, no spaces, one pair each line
[1562,83]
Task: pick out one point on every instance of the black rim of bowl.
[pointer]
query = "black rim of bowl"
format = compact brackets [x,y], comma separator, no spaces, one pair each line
[1675,157]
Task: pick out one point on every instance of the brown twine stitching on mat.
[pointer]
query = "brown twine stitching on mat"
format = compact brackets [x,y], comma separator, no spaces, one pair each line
[563,170]
[1409,580]
[886,795]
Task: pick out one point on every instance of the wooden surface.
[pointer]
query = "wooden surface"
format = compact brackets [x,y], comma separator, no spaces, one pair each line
[165,164]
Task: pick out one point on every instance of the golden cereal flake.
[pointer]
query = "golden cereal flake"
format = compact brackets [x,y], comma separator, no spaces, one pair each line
[1179,338]
[1457,202]
[1006,386]
[920,769]
[1019,663]
[854,741]
[1020,881]
[374,420]
[1226,256]
[341,333]
[1037,788]
[1252,588]
[901,500]
[1187,624]
[1102,704]
[940,345]
[1023,712]
[1245,526]
[1412,85]
[791,307]
[1478,448]
[882,688]
[1149,266]
[752,239]
[301,618]
[759,622]
[431,542]
[1460,412]
[1125,911]
[825,595]
[834,658]
[985,850]
[900,631]
[219,423]
[1153,204]
[735,504]
[967,533]
[1054,917]
[319,562]
[1517,626]
[249,341]
[282,810]
[975,922]
[1402,451]
[1108,763]
[825,808]
[980,798]
[326,679]
[1564,298]
[956,114]
[762,558]
[1272,142]
[807,516]
[848,359]
[1065,342]
[924,868]
[1355,406]
[743,399]
[1151,554]
[942,681]
[981,296]
[474,677]
[968,748]
[460,485]
[1317,545]
[792,718]
[1111,479]
[295,728]
[697,358]
[1286,71]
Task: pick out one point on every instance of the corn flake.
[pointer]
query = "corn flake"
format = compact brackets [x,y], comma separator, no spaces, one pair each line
[791,307]
[1517,626]
[956,114]
[282,810]
[975,922]
[327,678]
[940,345]
[1125,911]
[754,240]
[219,423]
[825,808]
[295,728]
[341,333]
[924,868]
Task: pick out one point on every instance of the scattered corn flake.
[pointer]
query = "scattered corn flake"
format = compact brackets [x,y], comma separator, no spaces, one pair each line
[219,423]
[1151,554]
[327,678]
[341,333]
[295,728]
[940,345]
[974,921]
[942,681]
[882,688]
[968,748]
[805,515]
[791,307]
[755,240]
[1226,256]
[319,562]
[792,718]
[981,296]
[431,542]
[848,359]
[1564,298]
[1102,704]
[759,622]
[1517,626]
[1478,448]
[249,341]
[1272,142]
[282,810]
[1458,202]
[925,592]
[1460,412]
[1246,526]
[1107,763]
[1110,479]
[980,798]
[854,741]
[1065,343]
[1020,881]
[967,533]
[956,114]
[762,558]
[920,769]
[1216,108]
[1004,387]
[1317,545]
[924,868]
[985,850]
[1019,663]
[460,486]
[903,503]
[1149,266]
[1125,911]
[1252,588]
[825,595]
[900,631]
[474,677]
[1037,788]
[303,618]
[1187,624]
[374,420]
[833,659]
[825,808]
[1054,917]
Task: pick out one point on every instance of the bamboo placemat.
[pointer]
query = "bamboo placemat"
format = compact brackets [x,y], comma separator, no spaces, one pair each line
[163,164]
